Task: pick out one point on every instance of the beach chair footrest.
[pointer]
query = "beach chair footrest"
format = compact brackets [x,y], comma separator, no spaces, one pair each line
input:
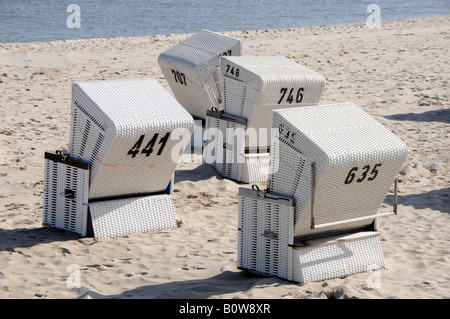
[120,217]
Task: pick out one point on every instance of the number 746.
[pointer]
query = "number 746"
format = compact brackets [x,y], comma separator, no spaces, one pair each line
[289,97]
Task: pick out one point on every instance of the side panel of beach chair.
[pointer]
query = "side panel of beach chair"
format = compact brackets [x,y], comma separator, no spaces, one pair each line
[213,137]
[231,159]
[191,69]
[65,193]
[337,162]
[265,239]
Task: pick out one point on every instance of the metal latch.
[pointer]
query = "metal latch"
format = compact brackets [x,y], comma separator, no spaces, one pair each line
[68,193]
[270,234]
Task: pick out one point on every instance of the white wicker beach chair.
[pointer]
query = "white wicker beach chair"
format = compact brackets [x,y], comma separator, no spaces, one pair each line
[253,86]
[191,69]
[329,174]
[123,130]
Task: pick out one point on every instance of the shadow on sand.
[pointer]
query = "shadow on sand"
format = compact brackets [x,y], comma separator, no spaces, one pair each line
[429,116]
[12,239]
[436,199]
[228,282]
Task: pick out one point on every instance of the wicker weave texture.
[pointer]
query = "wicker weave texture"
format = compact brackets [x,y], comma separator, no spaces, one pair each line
[253,86]
[233,150]
[124,128]
[212,139]
[264,235]
[255,168]
[191,69]
[225,151]
[120,217]
[356,157]
[59,210]
[338,259]
[266,244]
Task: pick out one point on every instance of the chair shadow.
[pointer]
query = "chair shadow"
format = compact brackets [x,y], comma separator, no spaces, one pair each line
[202,172]
[228,282]
[12,239]
[436,200]
[429,116]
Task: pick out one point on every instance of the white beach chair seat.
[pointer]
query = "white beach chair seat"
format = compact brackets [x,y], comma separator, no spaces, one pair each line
[191,69]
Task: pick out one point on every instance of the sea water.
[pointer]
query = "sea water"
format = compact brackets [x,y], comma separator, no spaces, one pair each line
[49,20]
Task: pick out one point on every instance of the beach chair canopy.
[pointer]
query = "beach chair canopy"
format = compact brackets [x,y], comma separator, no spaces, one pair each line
[254,86]
[191,69]
[124,129]
[336,161]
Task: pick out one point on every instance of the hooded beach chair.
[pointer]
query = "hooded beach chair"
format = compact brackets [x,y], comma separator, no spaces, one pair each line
[253,86]
[191,69]
[329,176]
[117,175]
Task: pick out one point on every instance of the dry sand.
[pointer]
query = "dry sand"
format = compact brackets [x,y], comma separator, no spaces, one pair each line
[398,73]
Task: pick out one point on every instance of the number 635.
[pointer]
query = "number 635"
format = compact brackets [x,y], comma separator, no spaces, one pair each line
[352,174]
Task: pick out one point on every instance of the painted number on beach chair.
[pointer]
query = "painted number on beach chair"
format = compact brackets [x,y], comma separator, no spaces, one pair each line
[286,134]
[228,53]
[179,77]
[290,96]
[148,149]
[232,70]
[352,173]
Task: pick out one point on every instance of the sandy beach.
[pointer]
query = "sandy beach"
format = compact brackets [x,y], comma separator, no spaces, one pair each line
[399,73]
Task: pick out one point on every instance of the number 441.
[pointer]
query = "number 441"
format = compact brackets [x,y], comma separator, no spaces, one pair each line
[150,145]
